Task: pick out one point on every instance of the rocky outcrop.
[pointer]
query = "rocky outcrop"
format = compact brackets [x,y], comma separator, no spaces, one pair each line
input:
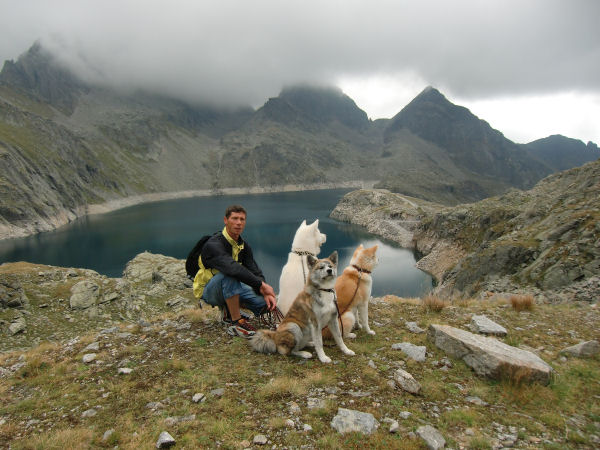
[49,303]
[384,213]
[544,241]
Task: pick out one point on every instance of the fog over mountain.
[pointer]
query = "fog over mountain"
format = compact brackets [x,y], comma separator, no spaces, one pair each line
[67,143]
[239,53]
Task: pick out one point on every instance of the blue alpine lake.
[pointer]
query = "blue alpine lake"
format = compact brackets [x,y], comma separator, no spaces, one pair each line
[106,242]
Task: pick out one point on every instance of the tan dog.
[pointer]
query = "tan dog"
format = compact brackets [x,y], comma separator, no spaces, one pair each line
[313,309]
[353,289]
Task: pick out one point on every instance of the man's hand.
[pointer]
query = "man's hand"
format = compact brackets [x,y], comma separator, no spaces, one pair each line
[269,295]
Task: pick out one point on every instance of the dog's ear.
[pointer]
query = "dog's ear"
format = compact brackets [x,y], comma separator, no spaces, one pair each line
[311,261]
[303,224]
[334,258]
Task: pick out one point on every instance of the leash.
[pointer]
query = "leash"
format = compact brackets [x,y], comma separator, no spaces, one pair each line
[360,273]
[336,307]
[270,319]
[302,253]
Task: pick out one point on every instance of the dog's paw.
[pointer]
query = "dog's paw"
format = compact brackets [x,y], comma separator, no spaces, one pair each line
[325,360]
[305,355]
[371,332]
[349,352]
[351,335]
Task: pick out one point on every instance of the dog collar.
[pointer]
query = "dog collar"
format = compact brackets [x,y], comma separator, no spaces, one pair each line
[327,290]
[360,269]
[303,253]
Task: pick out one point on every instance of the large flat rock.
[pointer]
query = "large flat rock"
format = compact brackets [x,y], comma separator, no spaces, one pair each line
[490,357]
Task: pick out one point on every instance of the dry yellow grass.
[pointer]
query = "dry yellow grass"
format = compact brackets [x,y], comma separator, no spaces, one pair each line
[434,304]
[522,302]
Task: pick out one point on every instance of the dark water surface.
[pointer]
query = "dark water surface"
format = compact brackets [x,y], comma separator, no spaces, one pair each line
[105,243]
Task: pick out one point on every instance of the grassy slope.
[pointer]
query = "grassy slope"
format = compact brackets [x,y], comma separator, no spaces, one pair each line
[184,353]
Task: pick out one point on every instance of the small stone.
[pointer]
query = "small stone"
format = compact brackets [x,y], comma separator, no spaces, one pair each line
[405,414]
[307,428]
[432,437]
[165,440]
[414,328]
[407,382]
[583,349]
[348,421]
[316,403]
[89,413]
[199,397]
[260,439]
[124,371]
[476,401]
[394,426]
[93,347]
[217,392]
[107,434]
[295,408]
[416,352]
[154,405]
[88,358]
[290,423]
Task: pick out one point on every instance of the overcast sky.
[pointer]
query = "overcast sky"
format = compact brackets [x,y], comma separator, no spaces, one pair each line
[531,68]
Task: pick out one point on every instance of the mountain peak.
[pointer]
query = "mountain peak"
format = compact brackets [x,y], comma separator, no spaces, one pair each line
[36,73]
[320,104]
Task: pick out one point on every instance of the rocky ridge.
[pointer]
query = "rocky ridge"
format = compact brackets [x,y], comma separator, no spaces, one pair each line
[545,241]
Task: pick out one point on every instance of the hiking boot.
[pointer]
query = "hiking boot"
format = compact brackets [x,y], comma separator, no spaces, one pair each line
[241,328]
[225,318]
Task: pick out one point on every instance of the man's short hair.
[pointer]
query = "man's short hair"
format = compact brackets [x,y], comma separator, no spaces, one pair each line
[235,208]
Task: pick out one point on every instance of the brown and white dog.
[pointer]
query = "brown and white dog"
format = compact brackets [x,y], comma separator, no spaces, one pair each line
[313,309]
[353,289]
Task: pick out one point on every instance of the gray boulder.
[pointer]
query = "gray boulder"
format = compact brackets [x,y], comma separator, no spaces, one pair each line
[432,437]
[407,382]
[416,352]
[483,325]
[156,269]
[488,356]
[17,326]
[583,349]
[347,421]
[11,293]
[165,440]
[84,294]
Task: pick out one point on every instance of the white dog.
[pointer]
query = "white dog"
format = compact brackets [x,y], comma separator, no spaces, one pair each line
[307,241]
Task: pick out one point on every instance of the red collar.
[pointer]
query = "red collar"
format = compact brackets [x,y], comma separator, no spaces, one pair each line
[360,269]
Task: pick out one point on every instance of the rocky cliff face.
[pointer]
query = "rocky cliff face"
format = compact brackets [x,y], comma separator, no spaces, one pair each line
[544,240]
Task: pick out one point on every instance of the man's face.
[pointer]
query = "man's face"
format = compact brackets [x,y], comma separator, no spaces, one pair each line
[235,224]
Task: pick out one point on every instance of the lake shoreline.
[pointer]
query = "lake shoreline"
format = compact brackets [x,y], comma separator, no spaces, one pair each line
[10,231]
[114,205]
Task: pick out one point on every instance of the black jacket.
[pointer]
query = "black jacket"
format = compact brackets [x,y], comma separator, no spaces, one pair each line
[216,254]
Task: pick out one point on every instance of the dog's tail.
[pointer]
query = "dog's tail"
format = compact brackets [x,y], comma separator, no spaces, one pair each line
[264,341]
[282,340]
